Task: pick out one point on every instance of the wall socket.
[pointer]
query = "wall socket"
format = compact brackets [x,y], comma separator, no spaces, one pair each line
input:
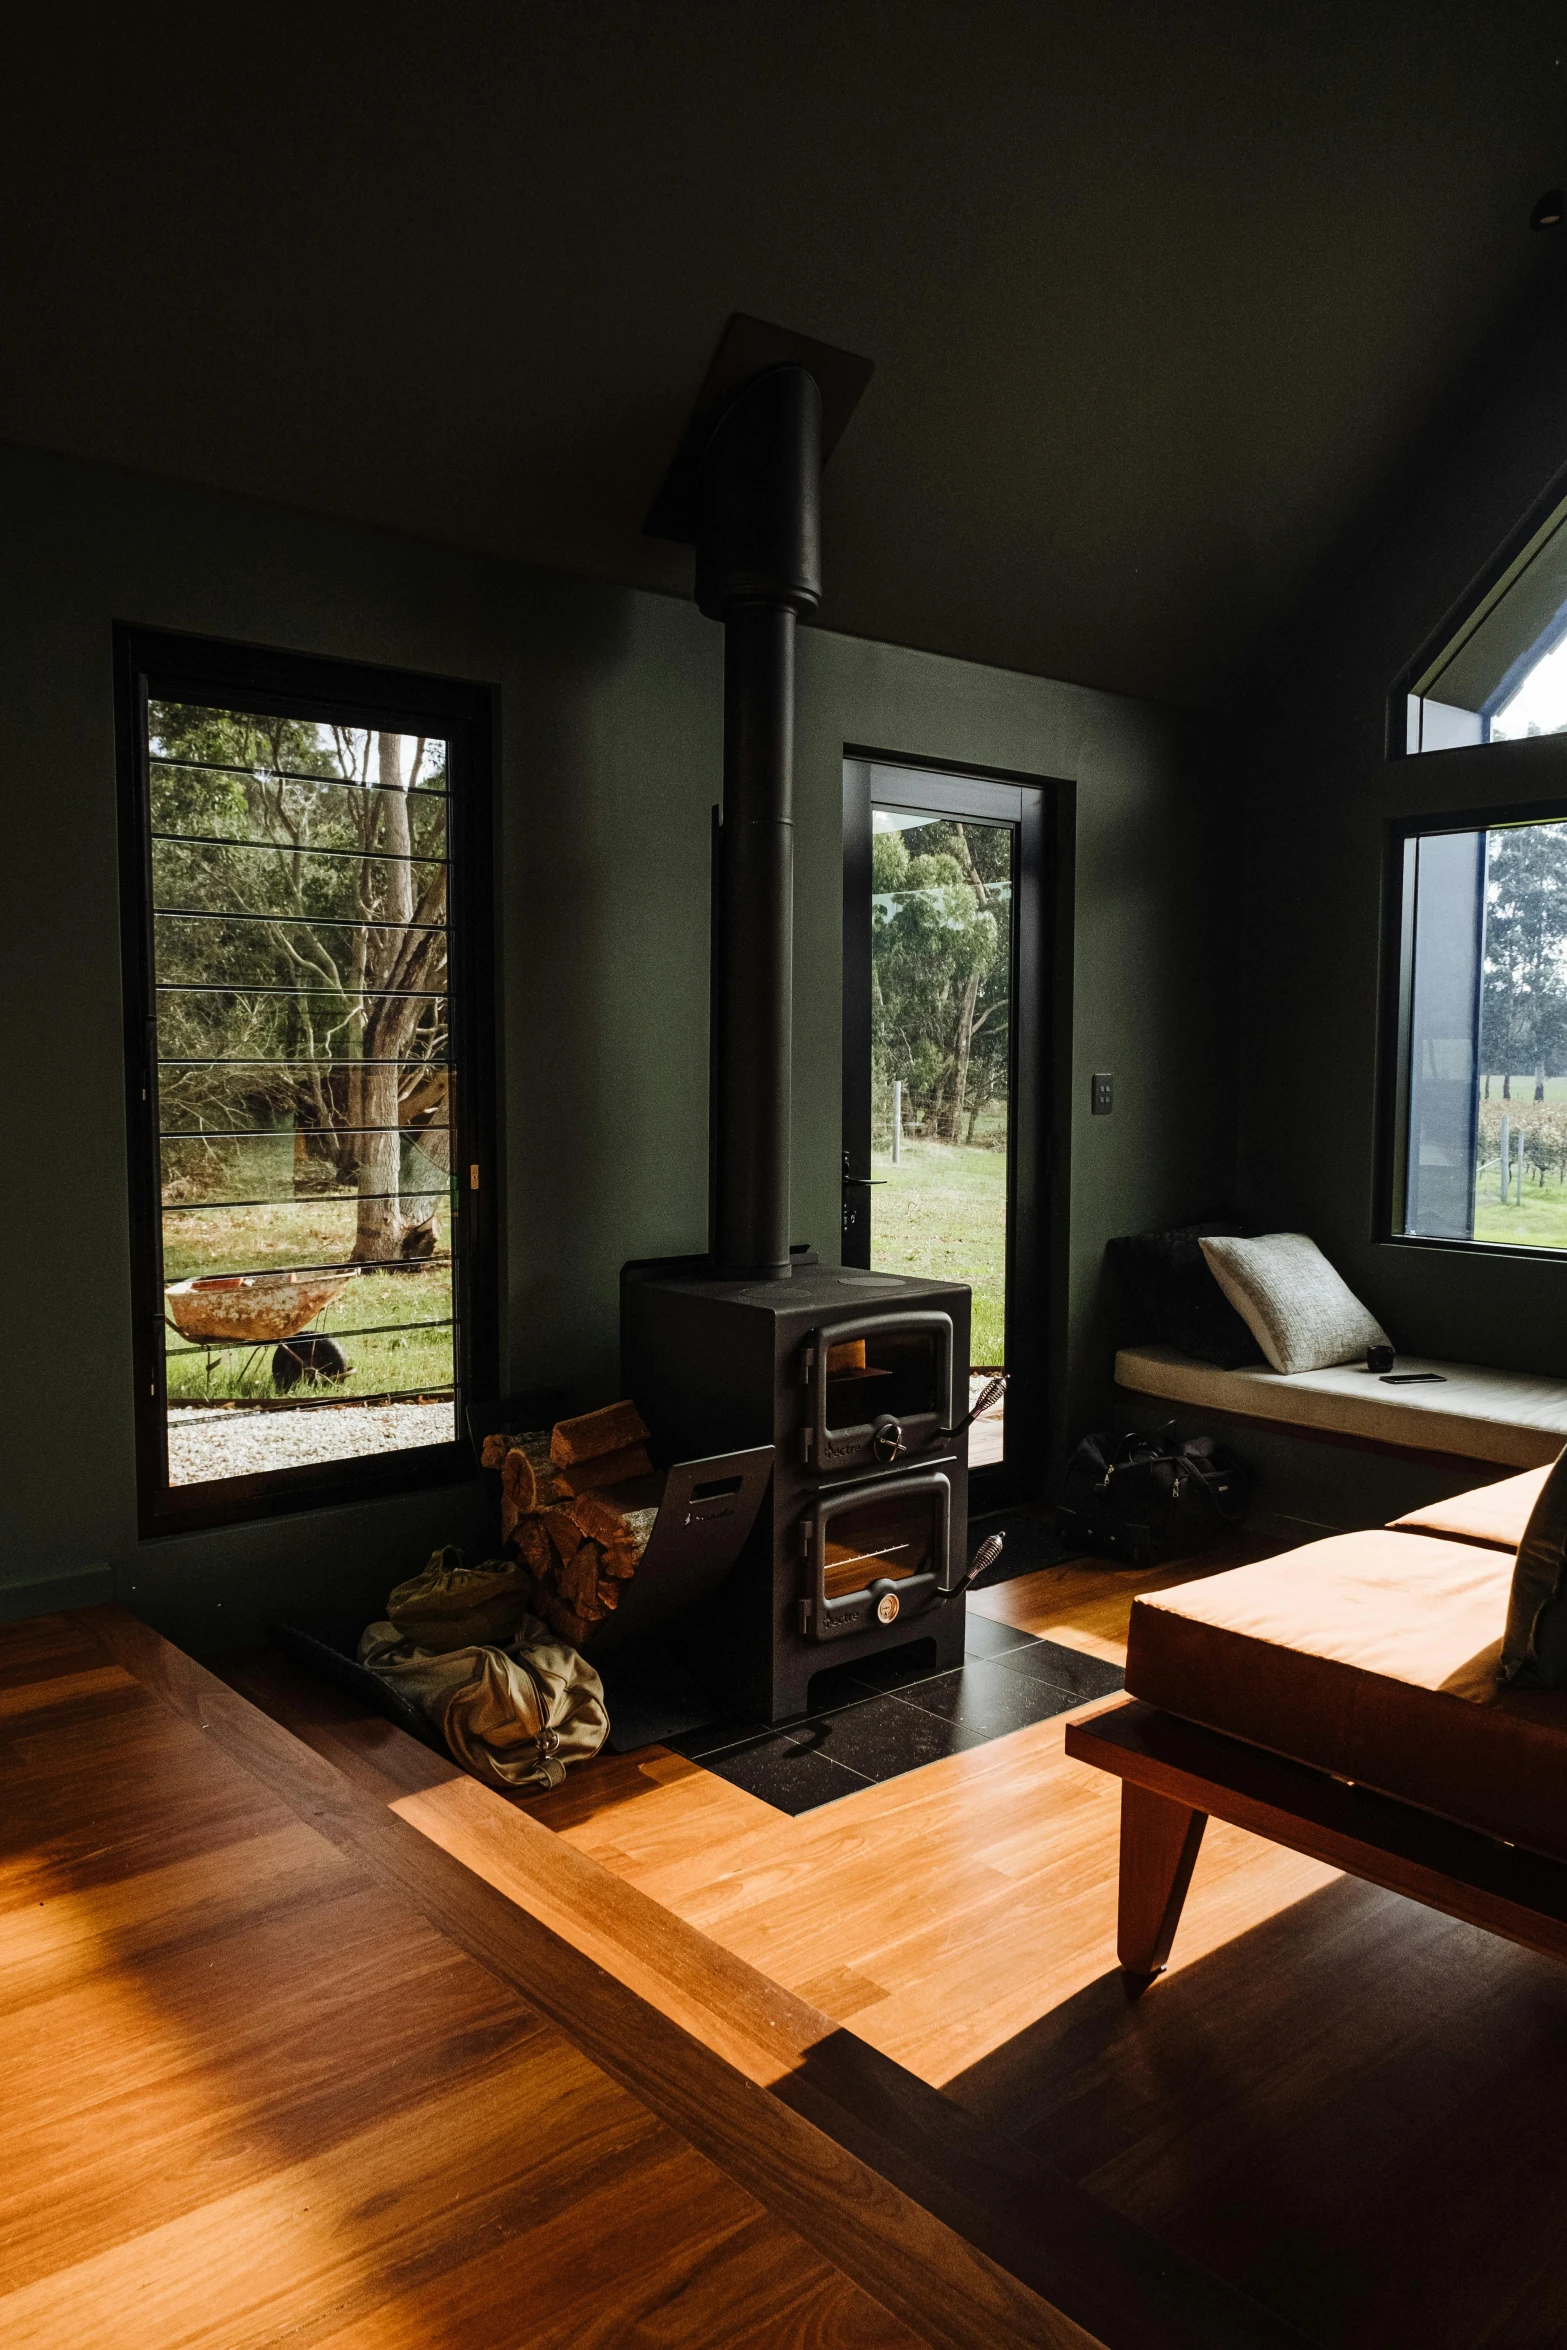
[1103,1094]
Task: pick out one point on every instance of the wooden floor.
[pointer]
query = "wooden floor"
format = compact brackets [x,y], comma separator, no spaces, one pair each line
[250,2098]
[1342,2102]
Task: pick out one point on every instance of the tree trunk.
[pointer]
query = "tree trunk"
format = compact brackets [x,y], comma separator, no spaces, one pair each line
[1507,1088]
[378,1238]
[1539,1081]
[965,1048]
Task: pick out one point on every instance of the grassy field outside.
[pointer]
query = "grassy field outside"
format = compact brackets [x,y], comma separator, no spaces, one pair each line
[943,1212]
[1522,1091]
[1538,1221]
[384,1361]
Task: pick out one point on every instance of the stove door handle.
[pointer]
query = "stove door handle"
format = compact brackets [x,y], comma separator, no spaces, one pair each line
[986,1556]
[987,1396]
[888,1441]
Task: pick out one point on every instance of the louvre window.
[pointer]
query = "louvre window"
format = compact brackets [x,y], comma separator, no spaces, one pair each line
[309,1153]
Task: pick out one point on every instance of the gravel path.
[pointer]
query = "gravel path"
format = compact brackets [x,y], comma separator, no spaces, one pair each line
[210,1441]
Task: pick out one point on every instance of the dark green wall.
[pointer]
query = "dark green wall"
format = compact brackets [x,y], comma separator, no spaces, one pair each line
[1319,788]
[609,763]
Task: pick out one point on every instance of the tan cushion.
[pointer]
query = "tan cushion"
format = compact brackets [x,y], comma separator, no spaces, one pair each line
[1302,1314]
[1496,1514]
[1372,1656]
[1510,1417]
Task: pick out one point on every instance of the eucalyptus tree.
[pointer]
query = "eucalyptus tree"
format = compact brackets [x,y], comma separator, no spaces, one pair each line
[309,983]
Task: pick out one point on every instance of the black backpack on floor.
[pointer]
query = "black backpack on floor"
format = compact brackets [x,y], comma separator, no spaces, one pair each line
[1143,1499]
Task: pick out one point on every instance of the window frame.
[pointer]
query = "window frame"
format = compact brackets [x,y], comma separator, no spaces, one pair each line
[1395,1011]
[157,665]
[1482,593]
[1041,1076]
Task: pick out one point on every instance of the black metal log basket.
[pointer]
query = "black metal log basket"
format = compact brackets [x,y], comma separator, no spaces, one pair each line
[705,1514]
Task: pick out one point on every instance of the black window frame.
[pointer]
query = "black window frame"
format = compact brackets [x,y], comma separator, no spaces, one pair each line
[158,665]
[1467,612]
[1395,1011]
[1040,1047]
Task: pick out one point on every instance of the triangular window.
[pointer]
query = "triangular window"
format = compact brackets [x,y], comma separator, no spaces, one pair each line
[1503,676]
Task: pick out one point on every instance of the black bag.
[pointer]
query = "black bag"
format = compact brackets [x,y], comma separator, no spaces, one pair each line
[1143,1499]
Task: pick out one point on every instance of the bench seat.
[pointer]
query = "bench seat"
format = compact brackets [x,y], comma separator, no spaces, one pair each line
[1371,1656]
[1509,1417]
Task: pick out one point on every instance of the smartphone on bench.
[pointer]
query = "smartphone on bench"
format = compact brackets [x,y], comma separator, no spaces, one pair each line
[1413,1378]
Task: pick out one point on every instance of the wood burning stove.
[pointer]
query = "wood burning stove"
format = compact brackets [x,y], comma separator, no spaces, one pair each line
[863,1533]
[858,1379]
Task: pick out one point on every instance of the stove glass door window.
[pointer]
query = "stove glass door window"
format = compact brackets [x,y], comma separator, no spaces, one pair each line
[891,1533]
[893,1371]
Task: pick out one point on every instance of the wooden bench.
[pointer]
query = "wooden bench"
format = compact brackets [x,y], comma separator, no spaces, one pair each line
[1343,1700]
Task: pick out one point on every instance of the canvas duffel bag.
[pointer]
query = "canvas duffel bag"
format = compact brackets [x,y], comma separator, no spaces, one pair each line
[514,1708]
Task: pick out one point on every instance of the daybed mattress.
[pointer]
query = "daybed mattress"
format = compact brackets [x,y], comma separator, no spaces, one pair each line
[1372,1656]
[1506,1416]
[1496,1514]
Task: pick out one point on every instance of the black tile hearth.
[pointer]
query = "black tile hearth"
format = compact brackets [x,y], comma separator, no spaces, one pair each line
[715,1738]
[862,1737]
[988,1698]
[872,1676]
[887,1736]
[870,1720]
[983,1636]
[1069,1669]
[791,1776]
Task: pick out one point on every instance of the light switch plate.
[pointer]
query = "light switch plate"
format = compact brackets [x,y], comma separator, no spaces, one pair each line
[1103,1093]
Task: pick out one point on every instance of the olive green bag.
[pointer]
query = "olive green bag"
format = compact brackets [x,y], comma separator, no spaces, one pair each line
[514,1704]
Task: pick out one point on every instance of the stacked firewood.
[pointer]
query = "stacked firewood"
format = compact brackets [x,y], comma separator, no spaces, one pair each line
[577,1508]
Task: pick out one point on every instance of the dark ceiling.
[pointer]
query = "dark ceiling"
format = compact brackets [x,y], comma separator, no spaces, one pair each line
[1158,295]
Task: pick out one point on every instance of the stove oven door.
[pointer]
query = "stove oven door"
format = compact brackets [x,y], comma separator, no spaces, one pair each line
[881,1391]
[876,1553]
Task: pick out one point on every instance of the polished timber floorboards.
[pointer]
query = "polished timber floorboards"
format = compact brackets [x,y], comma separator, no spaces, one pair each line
[250,2098]
[1344,2103]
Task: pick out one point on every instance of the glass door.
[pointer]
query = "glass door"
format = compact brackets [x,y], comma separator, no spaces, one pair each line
[942,982]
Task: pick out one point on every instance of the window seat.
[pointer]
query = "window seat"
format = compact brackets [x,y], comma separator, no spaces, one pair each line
[1510,1417]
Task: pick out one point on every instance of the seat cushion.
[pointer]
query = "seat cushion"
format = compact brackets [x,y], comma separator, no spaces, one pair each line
[1372,1656]
[1496,1514]
[1510,1417]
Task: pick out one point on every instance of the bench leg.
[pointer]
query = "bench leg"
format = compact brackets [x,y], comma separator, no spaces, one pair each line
[1159,1841]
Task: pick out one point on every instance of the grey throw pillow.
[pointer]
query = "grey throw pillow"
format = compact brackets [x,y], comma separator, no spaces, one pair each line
[1534,1649]
[1301,1314]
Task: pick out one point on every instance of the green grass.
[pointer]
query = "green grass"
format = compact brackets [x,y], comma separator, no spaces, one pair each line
[307,1232]
[1523,1090]
[1540,1221]
[943,1212]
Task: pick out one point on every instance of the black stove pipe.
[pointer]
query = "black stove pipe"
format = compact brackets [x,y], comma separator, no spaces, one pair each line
[758,569]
